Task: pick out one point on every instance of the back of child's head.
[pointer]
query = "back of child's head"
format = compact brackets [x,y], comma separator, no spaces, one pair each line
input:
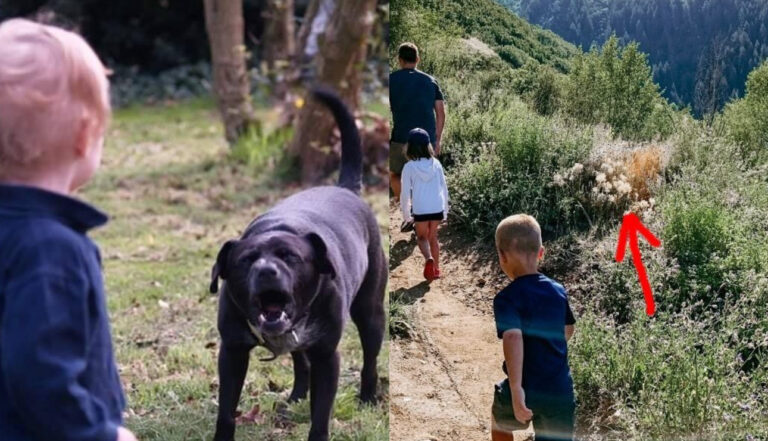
[51,82]
[419,145]
[519,233]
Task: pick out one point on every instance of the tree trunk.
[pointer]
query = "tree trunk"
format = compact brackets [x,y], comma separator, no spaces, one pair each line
[306,26]
[341,51]
[231,87]
[279,42]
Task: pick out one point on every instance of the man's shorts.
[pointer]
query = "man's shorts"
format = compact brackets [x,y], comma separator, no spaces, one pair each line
[397,157]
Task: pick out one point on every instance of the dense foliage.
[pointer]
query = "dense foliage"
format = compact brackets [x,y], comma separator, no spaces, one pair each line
[746,120]
[614,86]
[676,33]
[153,35]
[513,39]
[535,140]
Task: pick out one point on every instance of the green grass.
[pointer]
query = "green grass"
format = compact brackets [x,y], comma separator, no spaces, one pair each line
[175,195]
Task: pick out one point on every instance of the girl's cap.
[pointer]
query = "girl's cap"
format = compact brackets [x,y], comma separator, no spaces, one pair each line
[418,136]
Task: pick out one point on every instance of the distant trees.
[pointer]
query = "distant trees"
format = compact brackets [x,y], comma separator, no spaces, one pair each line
[711,84]
[615,86]
[675,34]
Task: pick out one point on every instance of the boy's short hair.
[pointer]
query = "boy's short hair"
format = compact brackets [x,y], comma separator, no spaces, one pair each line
[50,79]
[520,233]
[408,52]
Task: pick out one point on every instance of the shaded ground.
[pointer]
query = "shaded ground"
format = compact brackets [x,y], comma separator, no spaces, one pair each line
[174,196]
[445,372]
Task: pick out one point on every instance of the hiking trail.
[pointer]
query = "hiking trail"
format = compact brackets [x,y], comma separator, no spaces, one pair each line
[443,375]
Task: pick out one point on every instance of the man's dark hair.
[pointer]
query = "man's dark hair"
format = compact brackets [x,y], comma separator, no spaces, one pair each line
[408,52]
[417,150]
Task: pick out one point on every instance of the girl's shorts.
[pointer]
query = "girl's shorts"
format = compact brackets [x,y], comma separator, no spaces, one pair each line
[428,217]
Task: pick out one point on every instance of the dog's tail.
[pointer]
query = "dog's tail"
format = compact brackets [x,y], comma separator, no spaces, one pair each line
[351,172]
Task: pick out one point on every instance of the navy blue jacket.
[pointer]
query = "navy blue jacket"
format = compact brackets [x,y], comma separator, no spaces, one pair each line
[58,377]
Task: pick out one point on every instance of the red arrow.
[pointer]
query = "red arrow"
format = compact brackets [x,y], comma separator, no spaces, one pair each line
[630,226]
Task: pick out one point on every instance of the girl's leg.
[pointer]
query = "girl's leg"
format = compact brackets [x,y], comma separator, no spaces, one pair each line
[422,238]
[434,245]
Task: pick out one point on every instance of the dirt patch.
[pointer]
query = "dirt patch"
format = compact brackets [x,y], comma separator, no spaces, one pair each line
[443,376]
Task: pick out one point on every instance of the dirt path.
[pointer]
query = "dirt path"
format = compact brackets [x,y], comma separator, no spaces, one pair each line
[442,377]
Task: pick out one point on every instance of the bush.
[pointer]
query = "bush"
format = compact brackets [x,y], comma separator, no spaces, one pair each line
[615,86]
[540,86]
[746,120]
[511,171]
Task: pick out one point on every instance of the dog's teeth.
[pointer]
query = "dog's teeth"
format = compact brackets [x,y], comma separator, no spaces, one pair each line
[283,316]
[262,318]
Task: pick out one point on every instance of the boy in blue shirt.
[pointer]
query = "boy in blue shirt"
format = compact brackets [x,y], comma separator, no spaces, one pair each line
[534,320]
[58,377]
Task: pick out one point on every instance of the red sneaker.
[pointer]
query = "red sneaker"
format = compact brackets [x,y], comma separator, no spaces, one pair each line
[437,273]
[429,270]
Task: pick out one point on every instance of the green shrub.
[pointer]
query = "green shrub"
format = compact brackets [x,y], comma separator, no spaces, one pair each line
[511,170]
[746,120]
[615,86]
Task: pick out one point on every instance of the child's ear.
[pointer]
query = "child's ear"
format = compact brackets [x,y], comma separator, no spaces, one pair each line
[82,137]
[502,255]
[541,253]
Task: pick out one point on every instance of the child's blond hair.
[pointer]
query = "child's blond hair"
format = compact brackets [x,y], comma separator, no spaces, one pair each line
[50,82]
[519,233]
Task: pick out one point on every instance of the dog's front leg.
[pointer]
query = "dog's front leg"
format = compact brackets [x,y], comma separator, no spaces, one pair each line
[324,380]
[300,376]
[233,365]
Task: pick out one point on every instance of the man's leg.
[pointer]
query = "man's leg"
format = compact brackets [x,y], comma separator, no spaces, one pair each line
[394,183]
[397,161]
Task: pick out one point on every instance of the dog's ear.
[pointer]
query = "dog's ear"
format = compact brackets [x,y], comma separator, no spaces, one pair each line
[322,261]
[219,269]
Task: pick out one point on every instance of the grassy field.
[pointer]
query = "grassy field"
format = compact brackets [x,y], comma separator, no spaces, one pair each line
[174,196]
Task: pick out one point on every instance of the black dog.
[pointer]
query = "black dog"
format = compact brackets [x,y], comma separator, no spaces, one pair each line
[292,279]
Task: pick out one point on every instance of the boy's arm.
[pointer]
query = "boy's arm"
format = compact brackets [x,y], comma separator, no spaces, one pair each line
[44,332]
[513,356]
[570,320]
[569,330]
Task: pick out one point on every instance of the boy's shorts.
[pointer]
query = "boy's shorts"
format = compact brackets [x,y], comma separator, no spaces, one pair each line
[552,416]
[397,159]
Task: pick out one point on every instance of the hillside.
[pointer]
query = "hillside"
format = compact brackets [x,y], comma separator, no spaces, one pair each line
[680,36]
[512,38]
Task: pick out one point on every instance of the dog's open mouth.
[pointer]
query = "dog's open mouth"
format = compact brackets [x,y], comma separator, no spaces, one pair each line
[274,317]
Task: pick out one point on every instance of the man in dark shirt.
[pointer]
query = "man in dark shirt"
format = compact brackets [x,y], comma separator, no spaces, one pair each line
[534,320]
[416,102]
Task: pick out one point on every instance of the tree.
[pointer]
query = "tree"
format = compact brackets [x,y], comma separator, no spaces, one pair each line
[711,84]
[231,87]
[279,42]
[341,56]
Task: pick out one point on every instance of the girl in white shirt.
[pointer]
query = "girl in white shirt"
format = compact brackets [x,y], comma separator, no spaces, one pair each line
[424,194]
